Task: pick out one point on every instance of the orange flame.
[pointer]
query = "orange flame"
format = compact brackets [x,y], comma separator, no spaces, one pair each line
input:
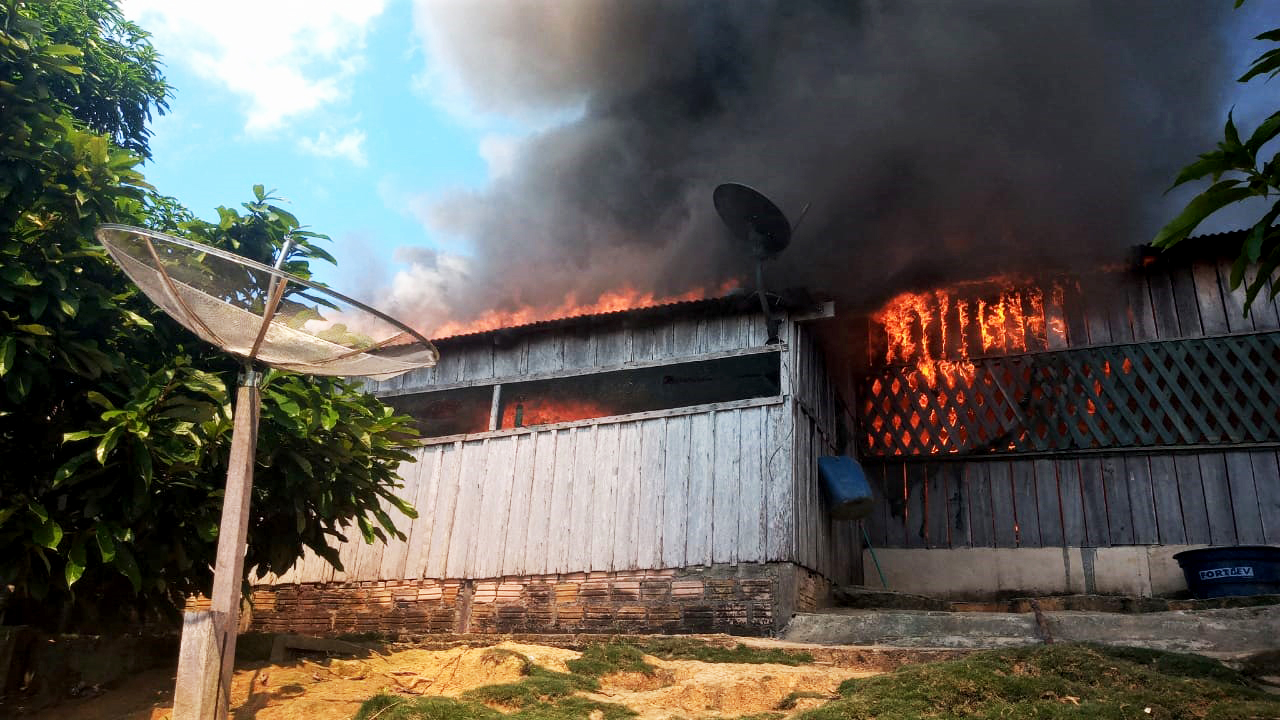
[545,411]
[937,334]
[625,298]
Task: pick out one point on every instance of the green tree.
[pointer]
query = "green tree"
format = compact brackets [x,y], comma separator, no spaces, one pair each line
[115,421]
[1240,170]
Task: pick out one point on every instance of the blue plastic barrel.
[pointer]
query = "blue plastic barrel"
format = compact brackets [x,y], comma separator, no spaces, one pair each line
[1234,570]
[846,487]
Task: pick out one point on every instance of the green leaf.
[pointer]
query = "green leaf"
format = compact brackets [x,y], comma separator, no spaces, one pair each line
[19,276]
[78,435]
[1201,206]
[128,567]
[69,306]
[207,530]
[48,534]
[1214,163]
[106,545]
[108,443]
[1268,62]
[69,468]
[100,400]
[35,329]
[1266,131]
[38,510]
[137,319]
[8,353]
[75,562]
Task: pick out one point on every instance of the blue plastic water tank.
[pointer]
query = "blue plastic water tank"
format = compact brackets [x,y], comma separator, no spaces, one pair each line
[1232,570]
[846,487]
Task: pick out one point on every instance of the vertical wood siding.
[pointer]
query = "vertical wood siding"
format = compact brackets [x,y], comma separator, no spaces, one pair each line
[1218,498]
[491,358]
[663,492]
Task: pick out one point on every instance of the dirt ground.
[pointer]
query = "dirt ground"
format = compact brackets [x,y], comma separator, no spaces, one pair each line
[318,688]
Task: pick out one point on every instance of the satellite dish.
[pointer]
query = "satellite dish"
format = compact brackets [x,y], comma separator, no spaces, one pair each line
[759,225]
[260,314]
[753,219]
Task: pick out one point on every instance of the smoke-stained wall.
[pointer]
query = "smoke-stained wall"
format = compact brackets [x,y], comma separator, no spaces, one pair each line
[933,139]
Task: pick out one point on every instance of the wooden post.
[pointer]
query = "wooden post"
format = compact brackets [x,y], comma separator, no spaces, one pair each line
[228,573]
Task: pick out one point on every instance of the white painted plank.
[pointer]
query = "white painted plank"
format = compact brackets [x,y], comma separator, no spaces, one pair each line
[415,561]
[582,490]
[449,368]
[467,512]
[495,505]
[511,360]
[675,498]
[477,362]
[580,350]
[545,353]
[701,456]
[516,536]
[348,552]
[536,550]
[560,527]
[613,347]
[725,487]
[369,558]
[625,549]
[445,506]
[750,498]
[780,507]
[393,554]
[652,471]
[684,337]
[604,523]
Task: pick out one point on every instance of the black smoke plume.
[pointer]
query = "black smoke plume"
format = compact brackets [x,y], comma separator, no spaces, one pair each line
[935,140]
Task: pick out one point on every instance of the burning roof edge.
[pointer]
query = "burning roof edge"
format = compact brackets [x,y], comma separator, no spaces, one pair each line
[1224,244]
[735,302]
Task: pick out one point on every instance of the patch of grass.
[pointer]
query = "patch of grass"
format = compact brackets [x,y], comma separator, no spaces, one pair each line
[393,707]
[789,702]
[1054,682]
[538,686]
[610,657]
[690,649]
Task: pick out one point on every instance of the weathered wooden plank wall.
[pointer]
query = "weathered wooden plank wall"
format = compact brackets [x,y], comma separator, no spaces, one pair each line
[1217,498]
[663,492]
[833,548]
[494,359]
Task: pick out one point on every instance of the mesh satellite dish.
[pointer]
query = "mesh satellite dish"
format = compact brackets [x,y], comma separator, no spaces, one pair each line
[260,314]
[761,228]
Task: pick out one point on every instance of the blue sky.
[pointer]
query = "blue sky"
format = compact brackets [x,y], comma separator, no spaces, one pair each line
[342,115]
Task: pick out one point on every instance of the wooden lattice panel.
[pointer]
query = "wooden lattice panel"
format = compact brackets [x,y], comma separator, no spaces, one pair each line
[1194,392]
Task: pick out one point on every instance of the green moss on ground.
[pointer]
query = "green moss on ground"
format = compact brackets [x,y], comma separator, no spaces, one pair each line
[1052,682]
[690,649]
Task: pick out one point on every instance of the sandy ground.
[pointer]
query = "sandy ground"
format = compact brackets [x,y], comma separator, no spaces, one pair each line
[318,688]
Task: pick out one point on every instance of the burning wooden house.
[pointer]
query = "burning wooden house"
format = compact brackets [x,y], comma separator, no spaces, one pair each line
[1070,434]
[651,469]
[656,469]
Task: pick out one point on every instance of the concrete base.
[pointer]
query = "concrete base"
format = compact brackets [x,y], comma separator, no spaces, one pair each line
[969,573]
[1219,632]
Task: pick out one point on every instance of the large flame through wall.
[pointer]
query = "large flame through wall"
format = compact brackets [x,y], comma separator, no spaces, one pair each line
[624,298]
[936,335]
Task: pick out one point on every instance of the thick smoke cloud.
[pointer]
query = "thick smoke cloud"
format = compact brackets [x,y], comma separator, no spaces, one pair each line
[935,140]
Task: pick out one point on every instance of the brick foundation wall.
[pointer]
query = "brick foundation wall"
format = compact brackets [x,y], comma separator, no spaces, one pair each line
[749,599]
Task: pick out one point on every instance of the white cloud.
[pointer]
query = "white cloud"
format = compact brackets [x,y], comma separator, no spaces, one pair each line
[332,145]
[499,153]
[285,57]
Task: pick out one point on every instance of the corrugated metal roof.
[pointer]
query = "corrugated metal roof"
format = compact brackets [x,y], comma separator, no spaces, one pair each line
[733,303]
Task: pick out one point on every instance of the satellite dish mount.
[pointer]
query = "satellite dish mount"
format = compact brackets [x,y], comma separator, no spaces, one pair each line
[759,226]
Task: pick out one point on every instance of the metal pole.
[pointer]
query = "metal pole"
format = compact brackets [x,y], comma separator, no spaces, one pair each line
[195,697]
